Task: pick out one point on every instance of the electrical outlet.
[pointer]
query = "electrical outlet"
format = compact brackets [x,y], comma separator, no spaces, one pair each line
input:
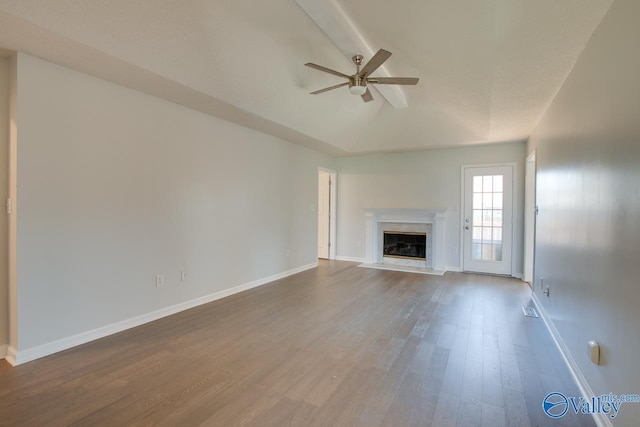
[159,280]
[288,252]
[183,276]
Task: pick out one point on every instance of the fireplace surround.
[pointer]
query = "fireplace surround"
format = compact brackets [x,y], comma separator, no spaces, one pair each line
[429,222]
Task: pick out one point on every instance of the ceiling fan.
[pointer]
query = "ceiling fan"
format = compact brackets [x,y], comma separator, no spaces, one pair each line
[358,82]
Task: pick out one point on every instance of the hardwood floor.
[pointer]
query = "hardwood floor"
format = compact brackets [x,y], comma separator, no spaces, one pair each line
[334,346]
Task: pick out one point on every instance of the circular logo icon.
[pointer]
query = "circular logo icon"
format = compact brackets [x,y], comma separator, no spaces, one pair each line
[555,405]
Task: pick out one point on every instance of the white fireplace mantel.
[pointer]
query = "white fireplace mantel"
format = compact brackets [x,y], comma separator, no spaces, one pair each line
[436,217]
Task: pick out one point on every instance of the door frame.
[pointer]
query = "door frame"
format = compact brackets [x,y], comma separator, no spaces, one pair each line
[529,249]
[332,210]
[514,191]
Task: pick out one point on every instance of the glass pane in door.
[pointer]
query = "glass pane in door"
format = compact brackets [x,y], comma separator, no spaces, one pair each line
[487,203]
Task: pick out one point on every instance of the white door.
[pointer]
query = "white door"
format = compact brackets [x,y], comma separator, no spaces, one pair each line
[487,221]
[324,209]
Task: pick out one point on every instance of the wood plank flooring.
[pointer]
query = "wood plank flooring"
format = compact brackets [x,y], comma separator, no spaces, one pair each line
[334,346]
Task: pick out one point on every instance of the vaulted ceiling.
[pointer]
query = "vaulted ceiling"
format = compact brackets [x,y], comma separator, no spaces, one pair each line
[488,68]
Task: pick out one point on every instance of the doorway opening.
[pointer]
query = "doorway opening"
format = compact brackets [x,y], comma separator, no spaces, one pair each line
[326,213]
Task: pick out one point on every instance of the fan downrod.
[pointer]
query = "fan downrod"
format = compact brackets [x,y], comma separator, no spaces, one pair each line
[357,59]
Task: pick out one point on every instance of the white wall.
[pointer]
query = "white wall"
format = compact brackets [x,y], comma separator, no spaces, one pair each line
[116,186]
[4,186]
[588,192]
[426,179]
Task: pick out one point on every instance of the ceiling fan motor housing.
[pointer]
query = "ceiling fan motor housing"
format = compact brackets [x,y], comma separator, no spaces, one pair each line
[357,85]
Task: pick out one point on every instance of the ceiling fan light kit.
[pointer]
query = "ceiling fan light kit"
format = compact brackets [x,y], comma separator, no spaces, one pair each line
[358,90]
[358,82]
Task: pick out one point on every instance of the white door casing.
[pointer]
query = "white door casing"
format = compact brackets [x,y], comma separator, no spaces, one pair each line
[487,222]
[324,211]
[529,217]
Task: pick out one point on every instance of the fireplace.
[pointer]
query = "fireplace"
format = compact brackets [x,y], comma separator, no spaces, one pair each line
[407,245]
[426,224]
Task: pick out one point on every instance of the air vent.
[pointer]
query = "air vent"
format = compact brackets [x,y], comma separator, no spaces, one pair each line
[529,311]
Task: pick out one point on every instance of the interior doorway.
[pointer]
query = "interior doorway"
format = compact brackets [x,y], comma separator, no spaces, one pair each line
[326,213]
[529,218]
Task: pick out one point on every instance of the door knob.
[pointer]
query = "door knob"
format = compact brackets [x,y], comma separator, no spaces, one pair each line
[466,227]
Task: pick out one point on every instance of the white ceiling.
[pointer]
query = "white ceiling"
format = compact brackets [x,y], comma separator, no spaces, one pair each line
[488,68]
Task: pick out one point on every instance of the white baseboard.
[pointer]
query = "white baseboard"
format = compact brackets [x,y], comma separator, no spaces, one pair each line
[23,356]
[350,258]
[601,420]
[4,351]
[11,356]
